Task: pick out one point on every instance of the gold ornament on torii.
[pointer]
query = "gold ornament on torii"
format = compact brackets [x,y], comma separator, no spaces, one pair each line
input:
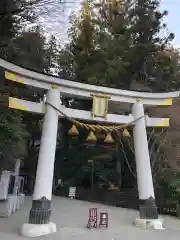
[100,106]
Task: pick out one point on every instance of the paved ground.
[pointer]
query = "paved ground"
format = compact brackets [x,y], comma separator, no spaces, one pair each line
[71,217]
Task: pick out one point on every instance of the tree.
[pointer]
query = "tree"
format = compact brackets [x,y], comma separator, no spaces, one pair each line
[13,130]
[33,51]
[28,49]
[119,45]
[114,42]
[81,51]
[13,138]
[133,35]
[8,28]
[51,56]
[18,7]
[148,46]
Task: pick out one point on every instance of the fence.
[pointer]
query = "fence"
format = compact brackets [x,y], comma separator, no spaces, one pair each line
[126,198]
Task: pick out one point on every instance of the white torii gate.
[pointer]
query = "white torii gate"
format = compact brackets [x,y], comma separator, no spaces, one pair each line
[39,217]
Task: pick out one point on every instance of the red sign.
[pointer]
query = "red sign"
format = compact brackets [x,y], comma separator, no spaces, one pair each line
[92,222]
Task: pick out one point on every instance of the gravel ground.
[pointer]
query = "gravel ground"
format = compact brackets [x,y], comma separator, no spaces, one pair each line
[71,216]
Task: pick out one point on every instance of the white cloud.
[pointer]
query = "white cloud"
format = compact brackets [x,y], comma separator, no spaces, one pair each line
[54,16]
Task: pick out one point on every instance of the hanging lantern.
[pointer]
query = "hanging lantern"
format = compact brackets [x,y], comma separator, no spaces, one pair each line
[108,139]
[91,137]
[126,133]
[73,131]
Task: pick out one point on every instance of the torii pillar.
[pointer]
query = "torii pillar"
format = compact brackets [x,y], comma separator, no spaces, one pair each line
[39,217]
[148,214]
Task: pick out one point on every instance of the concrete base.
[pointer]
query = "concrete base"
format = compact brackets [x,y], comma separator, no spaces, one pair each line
[156,224]
[36,230]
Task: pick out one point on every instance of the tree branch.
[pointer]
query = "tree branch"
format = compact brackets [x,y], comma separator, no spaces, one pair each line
[27,6]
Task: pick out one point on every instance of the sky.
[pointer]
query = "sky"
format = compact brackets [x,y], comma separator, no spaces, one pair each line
[55,17]
[173,18]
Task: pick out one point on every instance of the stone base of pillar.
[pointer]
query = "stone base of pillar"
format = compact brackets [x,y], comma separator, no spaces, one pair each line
[148,209]
[40,212]
[156,224]
[37,230]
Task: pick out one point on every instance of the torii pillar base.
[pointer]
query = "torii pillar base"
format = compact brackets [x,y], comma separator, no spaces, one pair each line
[37,230]
[156,224]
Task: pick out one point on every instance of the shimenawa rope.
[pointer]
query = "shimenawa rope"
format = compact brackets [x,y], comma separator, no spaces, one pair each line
[93,127]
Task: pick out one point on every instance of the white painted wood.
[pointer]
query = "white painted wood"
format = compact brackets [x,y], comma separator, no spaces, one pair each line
[72,192]
[45,167]
[143,167]
[86,115]
[85,90]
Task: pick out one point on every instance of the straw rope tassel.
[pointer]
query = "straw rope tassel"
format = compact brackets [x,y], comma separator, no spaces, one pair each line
[126,133]
[73,131]
[109,138]
[91,137]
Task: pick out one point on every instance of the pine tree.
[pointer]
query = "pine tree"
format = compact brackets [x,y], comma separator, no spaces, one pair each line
[13,138]
[29,49]
[8,28]
[51,54]
[78,60]
[13,131]
[131,47]
[114,41]
[147,43]
[25,48]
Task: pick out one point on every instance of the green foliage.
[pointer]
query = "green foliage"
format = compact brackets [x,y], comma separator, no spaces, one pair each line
[120,45]
[13,131]
[115,46]
[30,49]
[13,14]
[121,49]
[8,28]
[174,184]
[172,204]
[13,137]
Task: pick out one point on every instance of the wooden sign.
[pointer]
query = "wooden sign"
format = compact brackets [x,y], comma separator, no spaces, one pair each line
[100,106]
[92,221]
[103,222]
